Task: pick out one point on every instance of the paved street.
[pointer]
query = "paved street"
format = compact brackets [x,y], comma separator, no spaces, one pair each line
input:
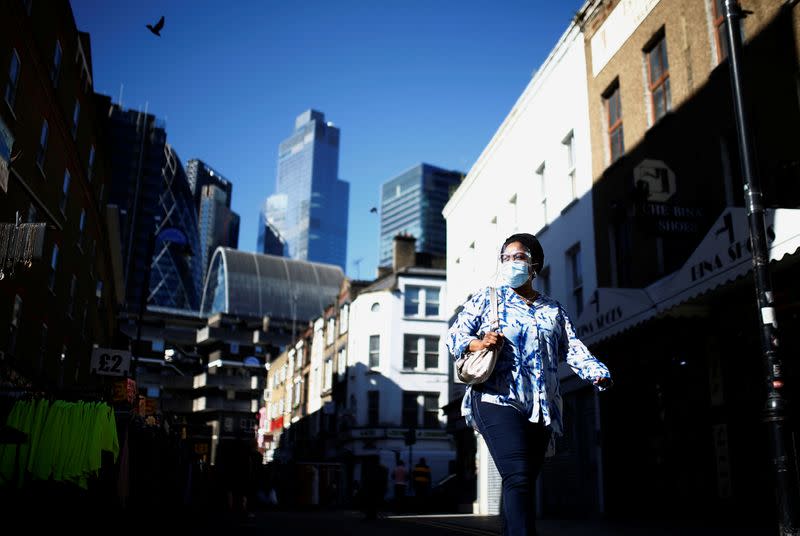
[352,523]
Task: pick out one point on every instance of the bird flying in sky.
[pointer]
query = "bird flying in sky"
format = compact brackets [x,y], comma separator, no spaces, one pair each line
[374,210]
[157,28]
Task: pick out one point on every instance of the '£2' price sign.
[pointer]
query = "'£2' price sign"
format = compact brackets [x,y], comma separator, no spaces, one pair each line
[108,362]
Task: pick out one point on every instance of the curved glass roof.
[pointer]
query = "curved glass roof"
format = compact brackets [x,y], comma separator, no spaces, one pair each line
[253,284]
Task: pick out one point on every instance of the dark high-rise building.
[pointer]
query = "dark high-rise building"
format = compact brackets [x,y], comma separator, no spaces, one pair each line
[310,204]
[199,174]
[219,225]
[159,233]
[412,203]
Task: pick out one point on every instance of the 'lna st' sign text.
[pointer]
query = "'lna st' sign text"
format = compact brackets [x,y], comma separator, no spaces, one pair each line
[731,246]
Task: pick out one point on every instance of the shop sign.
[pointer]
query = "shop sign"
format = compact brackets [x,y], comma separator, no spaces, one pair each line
[612,309]
[662,218]
[109,362]
[656,179]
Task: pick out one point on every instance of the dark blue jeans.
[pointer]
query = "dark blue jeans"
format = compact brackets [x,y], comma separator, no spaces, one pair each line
[517,447]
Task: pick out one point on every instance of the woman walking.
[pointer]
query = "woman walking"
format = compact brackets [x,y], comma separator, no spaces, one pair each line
[518,409]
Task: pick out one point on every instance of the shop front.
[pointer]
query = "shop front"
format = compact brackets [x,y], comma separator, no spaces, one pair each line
[683,435]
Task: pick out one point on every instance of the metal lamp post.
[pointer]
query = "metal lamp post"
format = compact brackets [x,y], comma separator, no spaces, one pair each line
[775,409]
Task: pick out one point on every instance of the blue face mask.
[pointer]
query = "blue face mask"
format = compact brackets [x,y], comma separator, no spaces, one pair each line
[514,274]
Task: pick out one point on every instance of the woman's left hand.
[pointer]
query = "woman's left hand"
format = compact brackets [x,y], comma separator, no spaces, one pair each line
[603,382]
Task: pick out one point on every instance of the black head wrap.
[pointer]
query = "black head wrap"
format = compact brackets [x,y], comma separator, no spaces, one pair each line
[533,245]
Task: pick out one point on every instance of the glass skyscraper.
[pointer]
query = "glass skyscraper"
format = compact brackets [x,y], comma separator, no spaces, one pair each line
[310,205]
[412,203]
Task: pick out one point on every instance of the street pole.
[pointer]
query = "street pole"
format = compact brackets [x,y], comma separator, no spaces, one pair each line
[775,409]
[151,246]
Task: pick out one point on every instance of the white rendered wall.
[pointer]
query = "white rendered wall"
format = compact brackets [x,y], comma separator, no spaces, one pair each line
[481,214]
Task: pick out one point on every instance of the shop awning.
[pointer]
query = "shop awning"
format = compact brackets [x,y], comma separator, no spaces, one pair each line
[612,310]
[724,255]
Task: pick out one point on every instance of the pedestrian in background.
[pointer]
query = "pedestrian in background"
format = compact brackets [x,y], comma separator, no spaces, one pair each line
[422,480]
[518,409]
[400,477]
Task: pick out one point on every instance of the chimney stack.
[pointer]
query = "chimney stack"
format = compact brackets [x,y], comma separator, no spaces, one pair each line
[403,253]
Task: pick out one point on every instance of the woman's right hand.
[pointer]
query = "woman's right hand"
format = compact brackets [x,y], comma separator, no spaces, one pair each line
[490,341]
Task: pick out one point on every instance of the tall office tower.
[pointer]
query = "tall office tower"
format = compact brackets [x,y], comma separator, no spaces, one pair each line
[270,240]
[159,236]
[219,225]
[412,203]
[310,204]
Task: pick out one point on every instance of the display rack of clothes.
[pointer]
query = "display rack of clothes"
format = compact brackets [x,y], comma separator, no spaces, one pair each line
[57,440]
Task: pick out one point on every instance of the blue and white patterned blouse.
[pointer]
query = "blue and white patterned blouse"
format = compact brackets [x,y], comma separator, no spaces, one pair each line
[537,338]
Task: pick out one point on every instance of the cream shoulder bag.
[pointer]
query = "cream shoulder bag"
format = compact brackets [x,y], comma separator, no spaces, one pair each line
[476,367]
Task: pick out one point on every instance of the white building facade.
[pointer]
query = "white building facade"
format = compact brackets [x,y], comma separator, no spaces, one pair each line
[397,377]
[534,176]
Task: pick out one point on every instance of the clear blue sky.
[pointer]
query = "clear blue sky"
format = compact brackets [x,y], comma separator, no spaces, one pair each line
[406,82]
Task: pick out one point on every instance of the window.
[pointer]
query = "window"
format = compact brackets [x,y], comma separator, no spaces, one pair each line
[430,418]
[614,114]
[410,351]
[543,281]
[658,74]
[416,346]
[82,229]
[344,314]
[73,287]
[16,313]
[373,408]
[431,352]
[412,301]
[410,410]
[90,166]
[431,301]
[40,153]
[297,392]
[421,301]
[342,361]
[234,348]
[92,252]
[291,358]
[53,268]
[569,149]
[13,79]
[331,331]
[542,182]
[328,372]
[55,69]
[374,351]
[576,271]
[76,115]
[62,204]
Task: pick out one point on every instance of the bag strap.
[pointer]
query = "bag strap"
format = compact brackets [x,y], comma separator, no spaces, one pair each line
[495,319]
